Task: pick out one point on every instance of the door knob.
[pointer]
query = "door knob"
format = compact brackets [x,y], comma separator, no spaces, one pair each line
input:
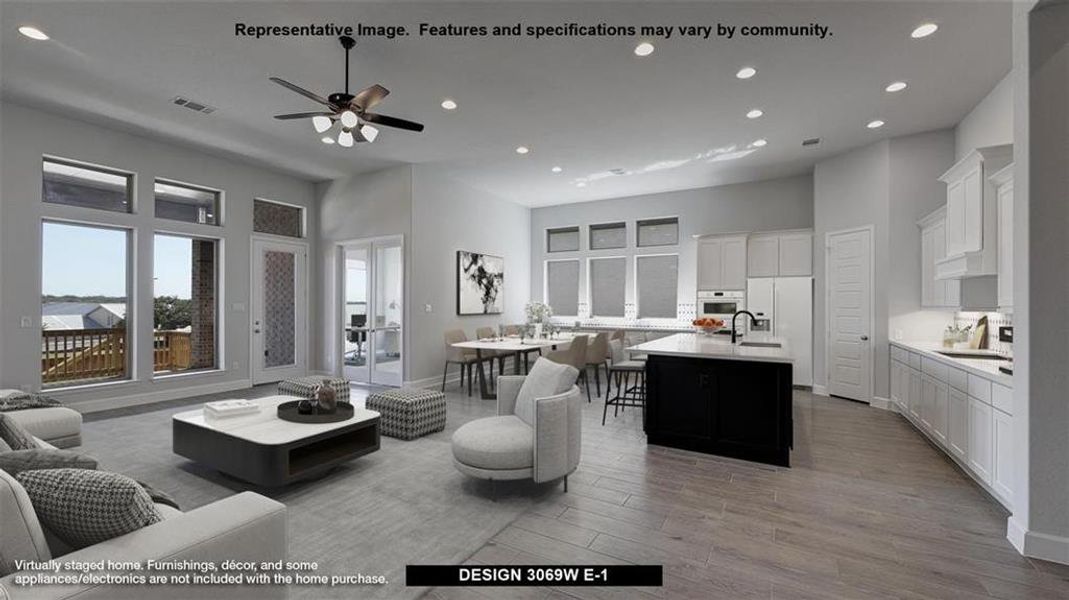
[864,338]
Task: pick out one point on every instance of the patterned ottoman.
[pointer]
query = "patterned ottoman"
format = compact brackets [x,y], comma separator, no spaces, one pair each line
[302,387]
[408,413]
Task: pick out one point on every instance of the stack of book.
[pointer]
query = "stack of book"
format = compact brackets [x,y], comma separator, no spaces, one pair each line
[230,408]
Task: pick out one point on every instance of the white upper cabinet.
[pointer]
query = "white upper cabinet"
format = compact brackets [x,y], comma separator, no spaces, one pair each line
[722,262]
[780,254]
[936,293]
[1003,181]
[763,255]
[972,215]
[796,254]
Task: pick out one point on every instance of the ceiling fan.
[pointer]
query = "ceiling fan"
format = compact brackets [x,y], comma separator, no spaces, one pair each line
[351,110]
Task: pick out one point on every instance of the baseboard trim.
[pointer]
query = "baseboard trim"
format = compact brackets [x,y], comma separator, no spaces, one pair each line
[881,403]
[97,405]
[1053,548]
[432,382]
[820,390]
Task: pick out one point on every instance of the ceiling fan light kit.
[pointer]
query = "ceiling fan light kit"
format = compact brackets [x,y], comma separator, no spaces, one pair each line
[350,109]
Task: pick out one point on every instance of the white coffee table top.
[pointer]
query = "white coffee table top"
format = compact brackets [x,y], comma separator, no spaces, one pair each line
[265,427]
[515,344]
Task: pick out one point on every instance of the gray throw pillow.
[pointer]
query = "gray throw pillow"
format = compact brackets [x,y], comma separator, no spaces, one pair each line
[83,507]
[16,461]
[159,496]
[546,378]
[16,436]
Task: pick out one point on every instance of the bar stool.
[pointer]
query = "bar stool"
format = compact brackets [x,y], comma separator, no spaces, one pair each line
[627,394]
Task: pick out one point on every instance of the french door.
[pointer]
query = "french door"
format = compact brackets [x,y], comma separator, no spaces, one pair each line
[279,315]
[372,301]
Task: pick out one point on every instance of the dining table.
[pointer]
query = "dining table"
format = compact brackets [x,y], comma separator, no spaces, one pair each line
[485,348]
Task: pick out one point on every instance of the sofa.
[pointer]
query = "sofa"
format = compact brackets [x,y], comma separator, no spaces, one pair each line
[245,527]
[58,425]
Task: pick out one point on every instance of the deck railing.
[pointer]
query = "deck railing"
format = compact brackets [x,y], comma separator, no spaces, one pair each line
[69,355]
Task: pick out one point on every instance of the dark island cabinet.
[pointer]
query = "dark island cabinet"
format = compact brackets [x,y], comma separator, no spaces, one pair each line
[735,408]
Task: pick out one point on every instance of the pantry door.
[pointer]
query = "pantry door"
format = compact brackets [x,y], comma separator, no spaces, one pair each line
[848,272]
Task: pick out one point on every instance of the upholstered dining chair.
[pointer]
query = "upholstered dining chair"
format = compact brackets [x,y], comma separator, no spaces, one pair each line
[492,356]
[465,357]
[596,357]
[574,355]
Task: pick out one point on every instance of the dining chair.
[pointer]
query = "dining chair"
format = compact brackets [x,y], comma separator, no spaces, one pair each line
[465,357]
[596,356]
[521,330]
[492,356]
[574,355]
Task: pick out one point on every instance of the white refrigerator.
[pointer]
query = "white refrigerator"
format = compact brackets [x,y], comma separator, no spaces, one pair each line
[786,304]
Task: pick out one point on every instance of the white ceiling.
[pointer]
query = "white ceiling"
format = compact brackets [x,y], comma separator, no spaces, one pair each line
[589,105]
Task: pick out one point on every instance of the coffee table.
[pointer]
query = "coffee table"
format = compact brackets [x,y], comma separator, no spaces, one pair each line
[265,450]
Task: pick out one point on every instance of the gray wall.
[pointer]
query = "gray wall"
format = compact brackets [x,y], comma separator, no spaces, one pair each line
[358,207]
[852,190]
[437,216]
[785,203]
[448,216]
[29,134]
[989,123]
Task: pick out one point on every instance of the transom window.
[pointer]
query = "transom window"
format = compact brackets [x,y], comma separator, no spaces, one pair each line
[75,184]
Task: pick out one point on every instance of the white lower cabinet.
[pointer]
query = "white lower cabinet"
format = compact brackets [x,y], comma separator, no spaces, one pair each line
[939,409]
[1002,466]
[980,451]
[915,391]
[958,427]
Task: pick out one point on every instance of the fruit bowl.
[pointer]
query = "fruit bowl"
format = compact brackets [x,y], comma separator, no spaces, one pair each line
[707,325]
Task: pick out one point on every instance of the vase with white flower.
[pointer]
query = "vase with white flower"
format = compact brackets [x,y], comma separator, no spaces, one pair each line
[539,317]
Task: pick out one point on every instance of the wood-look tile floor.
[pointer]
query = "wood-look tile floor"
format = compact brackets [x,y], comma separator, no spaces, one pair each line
[868,510]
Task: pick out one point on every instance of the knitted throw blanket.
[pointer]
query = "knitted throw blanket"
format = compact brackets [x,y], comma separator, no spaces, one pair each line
[26,401]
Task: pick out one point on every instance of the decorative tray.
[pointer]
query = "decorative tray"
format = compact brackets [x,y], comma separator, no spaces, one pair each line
[287,411]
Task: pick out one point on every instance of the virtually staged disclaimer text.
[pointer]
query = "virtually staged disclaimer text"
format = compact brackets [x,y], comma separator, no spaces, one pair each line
[183,573]
[541,31]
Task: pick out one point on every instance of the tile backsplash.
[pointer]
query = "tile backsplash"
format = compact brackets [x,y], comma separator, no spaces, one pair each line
[994,321]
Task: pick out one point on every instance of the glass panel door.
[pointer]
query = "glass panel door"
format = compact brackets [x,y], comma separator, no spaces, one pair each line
[373,311]
[278,311]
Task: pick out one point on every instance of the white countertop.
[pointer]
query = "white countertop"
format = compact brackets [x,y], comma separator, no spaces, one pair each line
[264,427]
[719,346]
[988,369]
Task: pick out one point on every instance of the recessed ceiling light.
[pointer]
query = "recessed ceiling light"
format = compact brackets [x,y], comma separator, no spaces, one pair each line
[32,32]
[759,143]
[924,30]
[746,73]
[644,49]
[522,150]
[897,86]
[556,169]
[327,140]
[449,104]
[875,124]
[753,114]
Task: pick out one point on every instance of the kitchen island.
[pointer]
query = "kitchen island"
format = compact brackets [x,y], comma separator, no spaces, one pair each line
[706,394]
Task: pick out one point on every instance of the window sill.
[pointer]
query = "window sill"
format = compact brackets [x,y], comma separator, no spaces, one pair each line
[85,387]
[170,376]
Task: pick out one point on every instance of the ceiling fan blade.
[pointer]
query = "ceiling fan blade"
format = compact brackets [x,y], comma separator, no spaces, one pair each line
[369,96]
[305,115]
[392,122]
[300,90]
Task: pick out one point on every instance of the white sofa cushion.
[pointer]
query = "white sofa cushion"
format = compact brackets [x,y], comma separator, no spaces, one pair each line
[22,537]
[495,443]
[50,423]
[546,378]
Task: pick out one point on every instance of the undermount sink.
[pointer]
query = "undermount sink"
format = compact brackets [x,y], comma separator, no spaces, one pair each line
[952,354]
[762,344]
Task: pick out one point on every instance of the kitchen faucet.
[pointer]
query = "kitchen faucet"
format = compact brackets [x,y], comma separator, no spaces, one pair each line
[734,335]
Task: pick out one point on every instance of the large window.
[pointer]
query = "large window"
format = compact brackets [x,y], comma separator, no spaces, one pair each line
[74,184]
[607,286]
[658,232]
[562,287]
[85,299]
[608,235]
[181,202]
[185,305]
[656,280]
[563,239]
[277,218]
